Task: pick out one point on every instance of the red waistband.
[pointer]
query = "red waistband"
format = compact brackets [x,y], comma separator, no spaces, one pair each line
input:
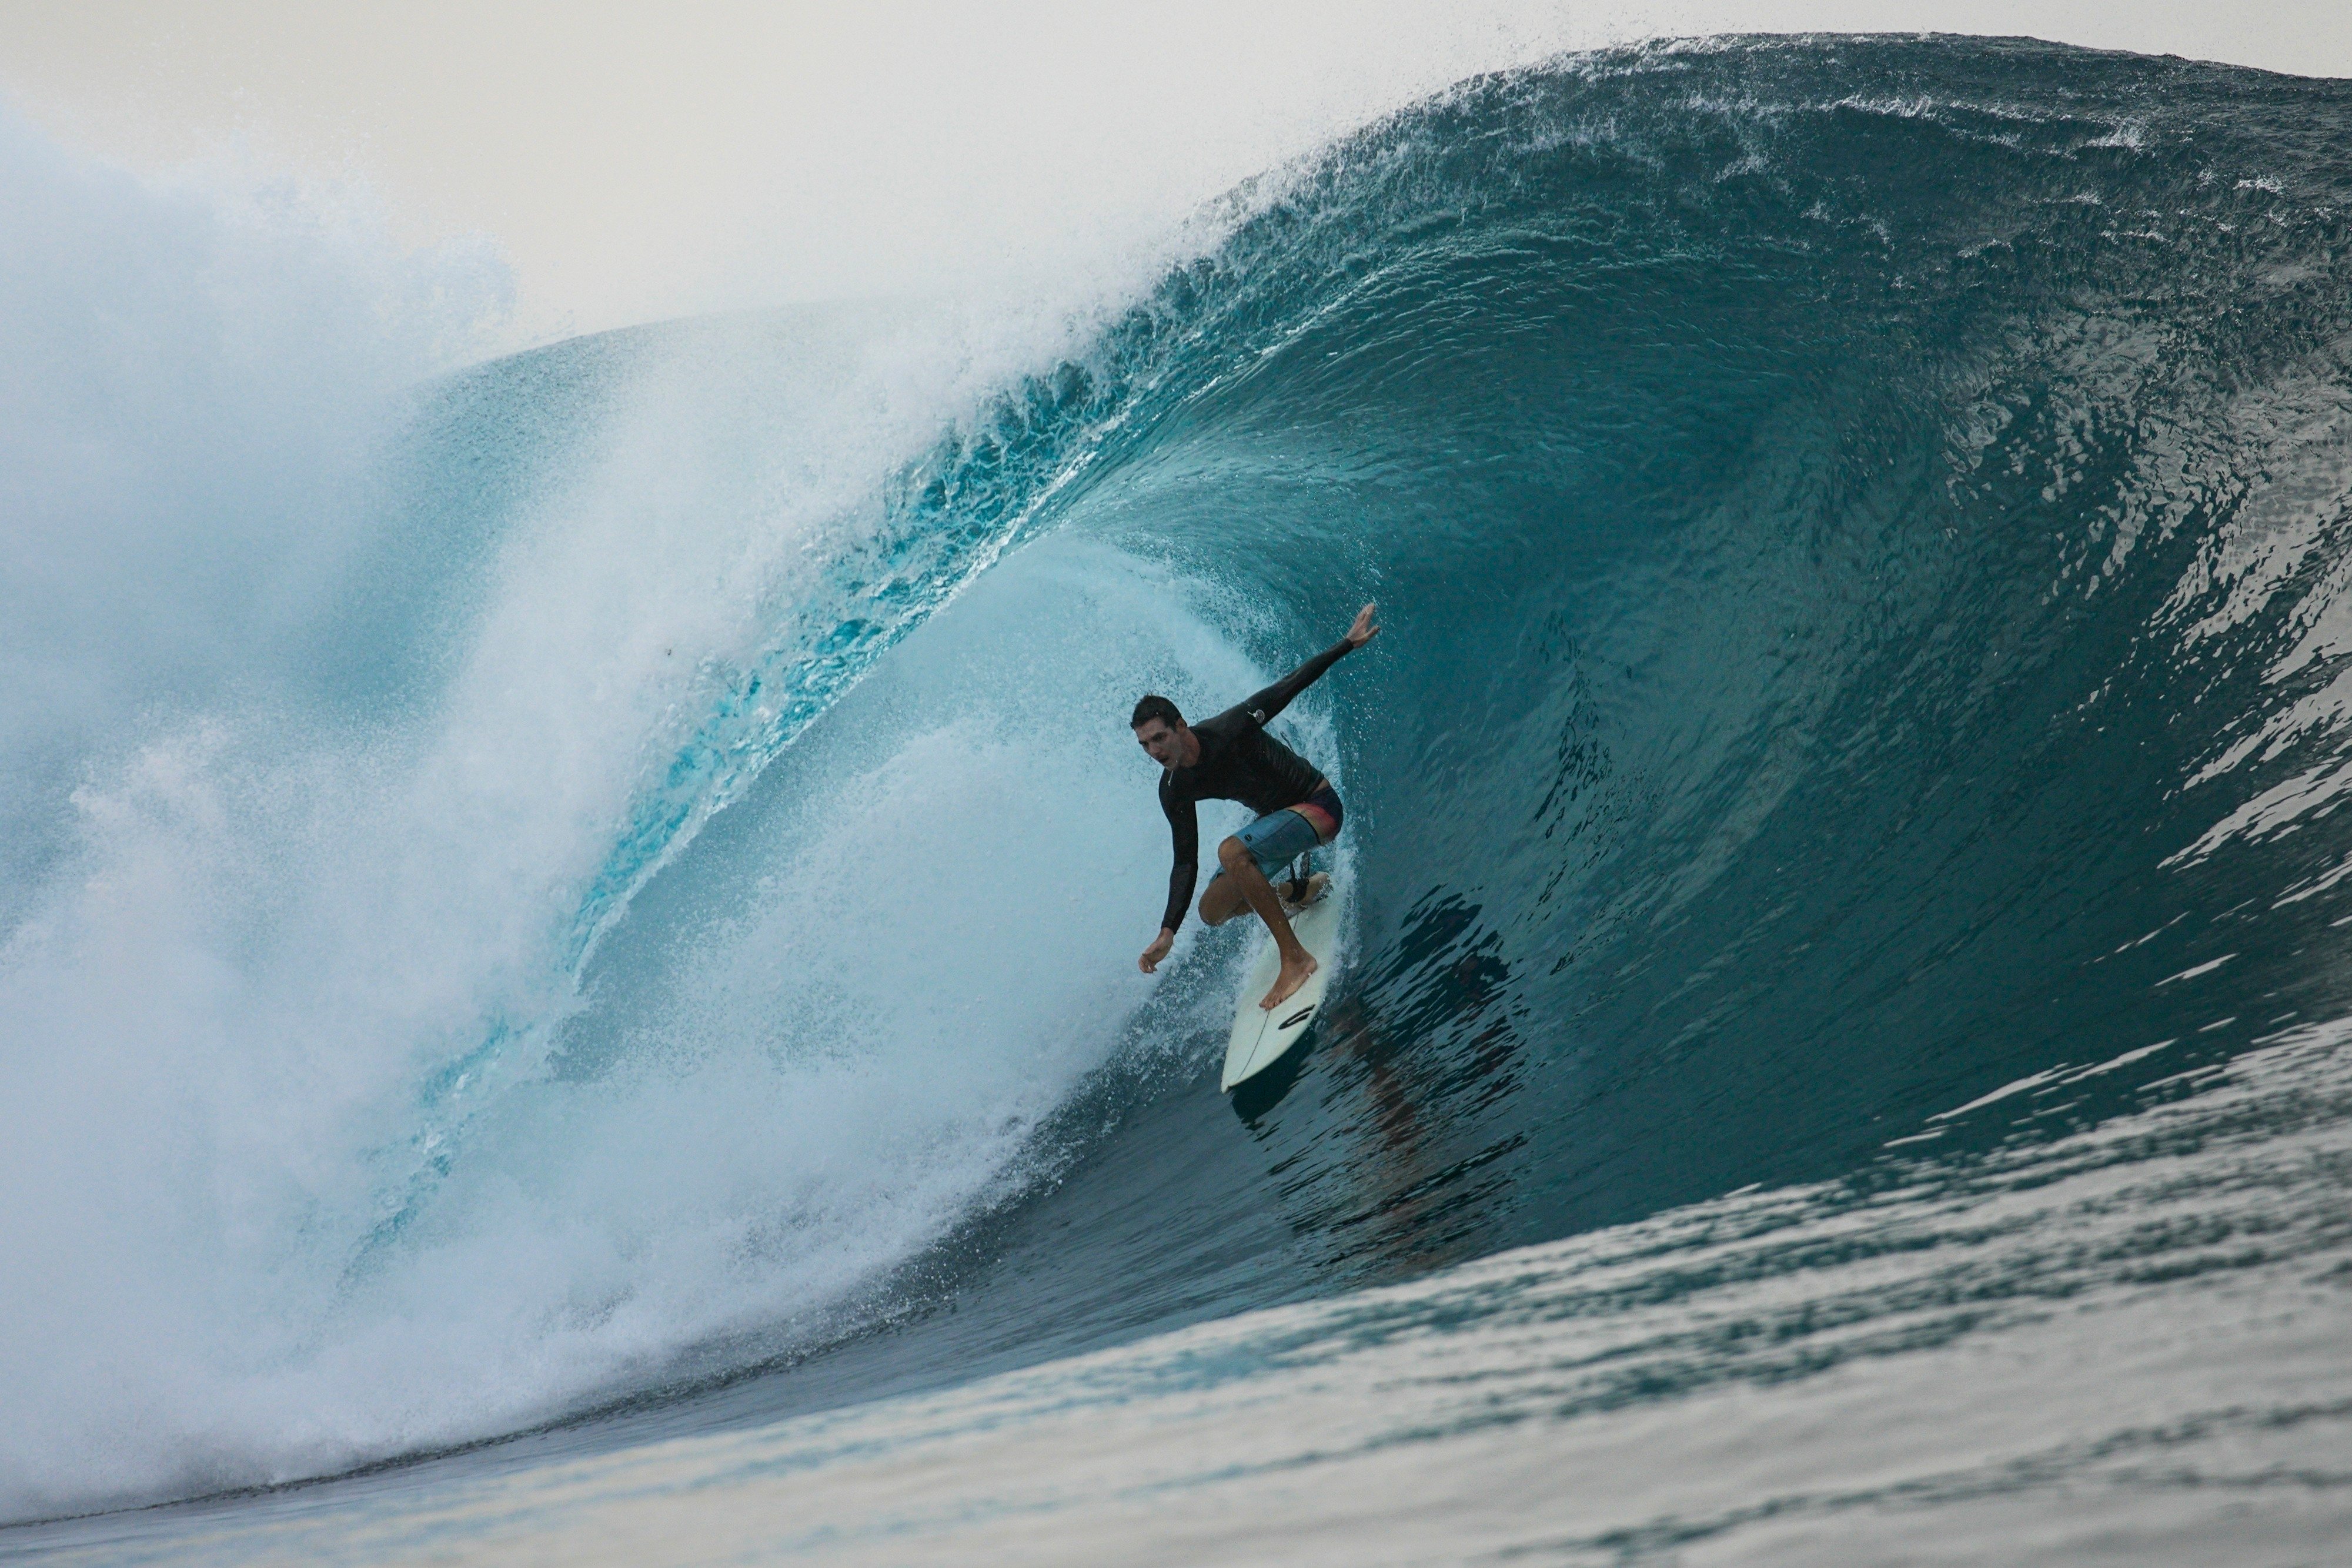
[1322,811]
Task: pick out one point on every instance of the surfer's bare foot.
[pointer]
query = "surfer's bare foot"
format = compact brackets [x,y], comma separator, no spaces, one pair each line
[1299,896]
[1295,971]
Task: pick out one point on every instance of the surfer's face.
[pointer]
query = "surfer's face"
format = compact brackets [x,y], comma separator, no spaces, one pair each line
[1160,742]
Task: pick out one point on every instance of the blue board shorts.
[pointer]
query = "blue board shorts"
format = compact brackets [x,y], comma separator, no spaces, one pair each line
[1276,838]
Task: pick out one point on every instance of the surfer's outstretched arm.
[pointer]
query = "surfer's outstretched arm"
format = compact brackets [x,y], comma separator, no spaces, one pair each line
[1265,704]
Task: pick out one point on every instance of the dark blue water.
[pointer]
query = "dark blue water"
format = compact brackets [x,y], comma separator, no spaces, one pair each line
[1854,520]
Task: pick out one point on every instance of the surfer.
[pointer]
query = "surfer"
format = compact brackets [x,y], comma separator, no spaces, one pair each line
[1232,758]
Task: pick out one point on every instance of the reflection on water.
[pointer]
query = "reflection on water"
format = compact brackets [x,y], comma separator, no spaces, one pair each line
[1396,1172]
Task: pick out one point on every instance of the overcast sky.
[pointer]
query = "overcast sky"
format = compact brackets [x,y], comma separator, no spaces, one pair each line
[641,162]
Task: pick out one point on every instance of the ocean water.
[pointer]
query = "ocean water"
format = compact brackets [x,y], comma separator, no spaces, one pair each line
[568,978]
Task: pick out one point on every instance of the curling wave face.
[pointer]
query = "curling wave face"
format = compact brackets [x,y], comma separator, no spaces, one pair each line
[1862,529]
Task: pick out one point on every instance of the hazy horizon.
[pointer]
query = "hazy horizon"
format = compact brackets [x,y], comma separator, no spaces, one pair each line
[734,157]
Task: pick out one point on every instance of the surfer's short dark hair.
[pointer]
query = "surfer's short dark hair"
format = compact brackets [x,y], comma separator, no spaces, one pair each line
[1157,707]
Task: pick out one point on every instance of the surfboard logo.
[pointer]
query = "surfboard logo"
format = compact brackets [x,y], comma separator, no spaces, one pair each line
[1294,1017]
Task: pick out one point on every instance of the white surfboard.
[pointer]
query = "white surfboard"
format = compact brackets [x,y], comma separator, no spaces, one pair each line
[1260,1037]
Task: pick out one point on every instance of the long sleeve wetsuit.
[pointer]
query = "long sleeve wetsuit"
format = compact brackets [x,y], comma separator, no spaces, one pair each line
[1239,761]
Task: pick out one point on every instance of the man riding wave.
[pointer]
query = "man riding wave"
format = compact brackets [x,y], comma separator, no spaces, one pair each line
[1232,758]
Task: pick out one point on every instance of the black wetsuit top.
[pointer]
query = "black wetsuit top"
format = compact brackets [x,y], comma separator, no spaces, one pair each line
[1239,761]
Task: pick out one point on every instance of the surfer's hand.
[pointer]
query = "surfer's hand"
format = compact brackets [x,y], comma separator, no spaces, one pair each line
[1363,631]
[1156,951]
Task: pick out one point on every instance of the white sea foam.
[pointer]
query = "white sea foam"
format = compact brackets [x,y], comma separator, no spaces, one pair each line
[255,914]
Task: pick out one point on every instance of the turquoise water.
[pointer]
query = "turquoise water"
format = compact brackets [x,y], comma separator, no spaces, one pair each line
[1836,1052]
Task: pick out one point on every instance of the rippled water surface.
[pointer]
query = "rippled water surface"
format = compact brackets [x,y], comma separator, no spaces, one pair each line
[2118,1347]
